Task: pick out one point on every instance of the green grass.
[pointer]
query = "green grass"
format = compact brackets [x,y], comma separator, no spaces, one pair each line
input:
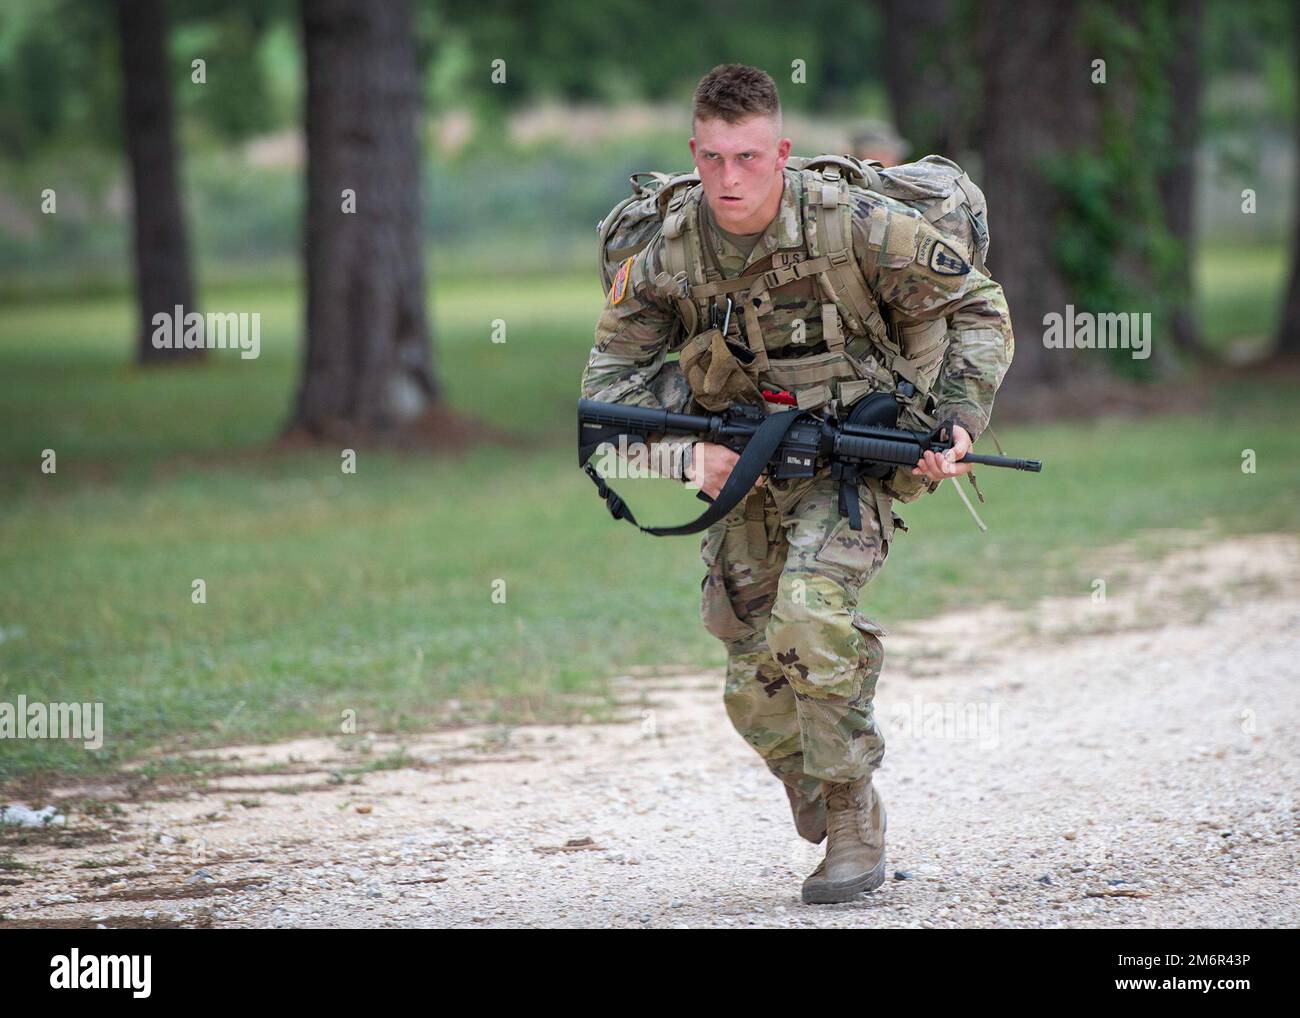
[374,592]
[1241,289]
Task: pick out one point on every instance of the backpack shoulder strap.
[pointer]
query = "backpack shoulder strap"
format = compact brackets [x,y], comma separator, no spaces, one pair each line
[828,224]
[680,210]
[831,237]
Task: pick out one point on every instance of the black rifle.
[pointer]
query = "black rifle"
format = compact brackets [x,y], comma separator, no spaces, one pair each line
[788,442]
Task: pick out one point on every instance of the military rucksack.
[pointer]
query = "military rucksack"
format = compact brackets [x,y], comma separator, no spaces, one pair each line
[936,187]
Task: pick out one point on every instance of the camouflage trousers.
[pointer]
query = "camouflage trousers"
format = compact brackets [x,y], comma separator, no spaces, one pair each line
[781,592]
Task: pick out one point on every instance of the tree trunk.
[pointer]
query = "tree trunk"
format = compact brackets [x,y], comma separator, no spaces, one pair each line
[922,74]
[162,264]
[1288,339]
[368,367]
[1178,183]
[1036,104]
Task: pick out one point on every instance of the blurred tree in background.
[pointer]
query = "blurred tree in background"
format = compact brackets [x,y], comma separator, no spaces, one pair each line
[368,367]
[931,67]
[1031,112]
[164,281]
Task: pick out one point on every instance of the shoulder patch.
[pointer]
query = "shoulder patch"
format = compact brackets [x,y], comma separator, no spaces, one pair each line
[941,258]
[619,290]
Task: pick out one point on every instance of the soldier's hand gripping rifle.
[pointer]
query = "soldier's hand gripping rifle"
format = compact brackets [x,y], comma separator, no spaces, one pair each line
[788,444]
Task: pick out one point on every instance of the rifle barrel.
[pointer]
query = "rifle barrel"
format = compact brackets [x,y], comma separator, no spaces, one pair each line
[1033,466]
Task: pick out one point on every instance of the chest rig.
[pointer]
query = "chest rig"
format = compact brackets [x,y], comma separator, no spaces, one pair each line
[851,350]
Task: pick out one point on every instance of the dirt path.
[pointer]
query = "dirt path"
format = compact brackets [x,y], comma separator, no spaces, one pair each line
[1132,763]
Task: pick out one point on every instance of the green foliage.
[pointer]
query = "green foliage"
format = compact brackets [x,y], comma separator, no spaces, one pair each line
[1249,39]
[1251,102]
[60,73]
[58,76]
[233,101]
[252,66]
[622,50]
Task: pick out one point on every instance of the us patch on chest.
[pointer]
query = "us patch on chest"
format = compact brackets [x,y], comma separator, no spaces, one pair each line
[941,258]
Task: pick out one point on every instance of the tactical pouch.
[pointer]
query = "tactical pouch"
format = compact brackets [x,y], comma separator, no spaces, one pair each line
[924,345]
[716,371]
[903,485]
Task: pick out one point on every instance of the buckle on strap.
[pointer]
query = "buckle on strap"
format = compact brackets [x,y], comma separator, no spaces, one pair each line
[773,278]
[795,270]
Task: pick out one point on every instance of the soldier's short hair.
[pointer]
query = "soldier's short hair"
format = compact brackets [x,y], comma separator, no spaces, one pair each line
[732,92]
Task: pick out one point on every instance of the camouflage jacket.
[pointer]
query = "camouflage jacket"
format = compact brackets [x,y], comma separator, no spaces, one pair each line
[893,246]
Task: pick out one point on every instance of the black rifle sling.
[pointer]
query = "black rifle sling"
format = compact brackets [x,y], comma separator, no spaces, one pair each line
[757,454]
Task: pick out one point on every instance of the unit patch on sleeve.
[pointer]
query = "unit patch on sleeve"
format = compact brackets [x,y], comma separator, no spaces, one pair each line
[941,258]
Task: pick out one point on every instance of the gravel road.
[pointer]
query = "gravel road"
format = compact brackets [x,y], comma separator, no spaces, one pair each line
[1126,763]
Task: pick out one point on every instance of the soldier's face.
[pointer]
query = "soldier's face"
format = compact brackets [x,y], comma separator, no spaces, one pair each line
[740,167]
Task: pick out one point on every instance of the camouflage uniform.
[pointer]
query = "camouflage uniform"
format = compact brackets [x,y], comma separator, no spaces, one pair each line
[784,569]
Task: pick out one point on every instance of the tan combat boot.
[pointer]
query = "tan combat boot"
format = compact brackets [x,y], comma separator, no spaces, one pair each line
[809,815]
[855,849]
